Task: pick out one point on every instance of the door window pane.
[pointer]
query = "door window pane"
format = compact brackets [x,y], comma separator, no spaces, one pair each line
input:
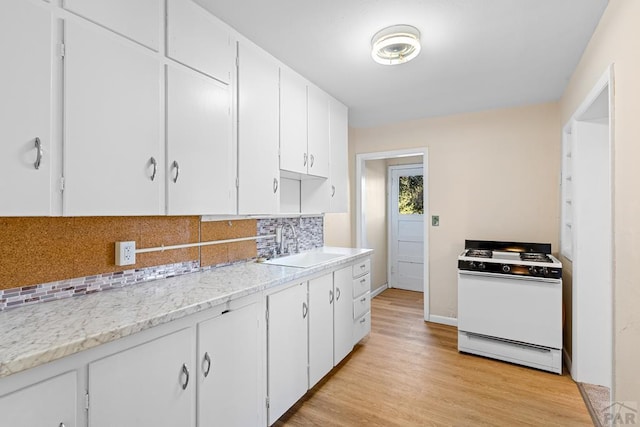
[411,195]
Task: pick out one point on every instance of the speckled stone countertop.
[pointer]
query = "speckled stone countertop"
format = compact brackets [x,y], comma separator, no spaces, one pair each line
[34,335]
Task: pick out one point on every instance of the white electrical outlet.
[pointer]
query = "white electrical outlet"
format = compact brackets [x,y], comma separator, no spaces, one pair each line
[125,253]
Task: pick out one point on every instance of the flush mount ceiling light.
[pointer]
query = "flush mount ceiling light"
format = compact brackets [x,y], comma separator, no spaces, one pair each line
[395,45]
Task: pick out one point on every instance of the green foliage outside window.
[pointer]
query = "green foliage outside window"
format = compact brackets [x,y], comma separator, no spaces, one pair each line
[411,195]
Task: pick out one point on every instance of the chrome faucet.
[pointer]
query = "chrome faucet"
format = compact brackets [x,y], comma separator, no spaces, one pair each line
[280,239]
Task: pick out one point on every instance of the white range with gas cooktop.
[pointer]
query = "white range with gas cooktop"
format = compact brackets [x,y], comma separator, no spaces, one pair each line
[510,303]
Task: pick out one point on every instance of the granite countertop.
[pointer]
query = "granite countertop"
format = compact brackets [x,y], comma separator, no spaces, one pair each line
[34,335]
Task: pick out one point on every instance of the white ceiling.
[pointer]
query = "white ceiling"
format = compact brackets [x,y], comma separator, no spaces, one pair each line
[476,54]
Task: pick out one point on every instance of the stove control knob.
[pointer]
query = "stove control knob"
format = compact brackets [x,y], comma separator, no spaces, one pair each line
[481,266]
[506,268]
[472,264]
[544,271]
[533,271]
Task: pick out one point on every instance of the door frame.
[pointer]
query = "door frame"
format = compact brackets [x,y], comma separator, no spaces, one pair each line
[361,232]
[389,185]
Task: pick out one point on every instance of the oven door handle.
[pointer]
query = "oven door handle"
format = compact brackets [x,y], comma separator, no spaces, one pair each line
[510,276]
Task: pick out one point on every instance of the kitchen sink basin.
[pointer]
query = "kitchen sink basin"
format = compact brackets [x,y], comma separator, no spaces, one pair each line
[303,260]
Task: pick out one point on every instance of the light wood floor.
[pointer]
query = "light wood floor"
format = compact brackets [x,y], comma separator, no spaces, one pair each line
[409,373]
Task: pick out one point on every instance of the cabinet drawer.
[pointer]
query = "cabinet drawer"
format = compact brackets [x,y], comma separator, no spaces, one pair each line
[361,305]
[363,267]
[361,285]
[361,327]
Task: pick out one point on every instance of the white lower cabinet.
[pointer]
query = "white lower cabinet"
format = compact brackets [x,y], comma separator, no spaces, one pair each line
[51,402]
[151,384]
[361,299]
[228,383]
[342,314]
[287,378]
[321,304]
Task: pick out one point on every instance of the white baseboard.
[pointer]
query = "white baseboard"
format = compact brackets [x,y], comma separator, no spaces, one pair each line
[379,290]
[567,360]
[451,321]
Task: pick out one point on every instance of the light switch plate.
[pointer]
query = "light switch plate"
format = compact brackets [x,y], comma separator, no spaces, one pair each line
[435,220]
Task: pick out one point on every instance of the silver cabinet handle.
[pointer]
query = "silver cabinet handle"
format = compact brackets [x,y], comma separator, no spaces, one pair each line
[305,310]
[275,185]
[363,266]
[185,371]
[153,163]
[62,425]
[363,299]
[363,280]
[305,159]
[39,154]
[207,359]
[363,320]
[333,190]
[176,166]
[330,297]
[311,161]
[337,294]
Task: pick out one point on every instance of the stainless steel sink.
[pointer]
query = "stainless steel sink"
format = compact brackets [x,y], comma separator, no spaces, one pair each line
[304,260]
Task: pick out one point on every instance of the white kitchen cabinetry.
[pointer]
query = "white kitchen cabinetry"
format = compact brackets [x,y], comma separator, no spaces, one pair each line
[51,402]
[287,333]
[25,109]
[361,299]
[113,150]
[199,40]
[229,377]
[318,131]
[151,384]
[294,156]
[342,314]
[199,148]
[138,20]
[321,305]
[258,170]
[339,177]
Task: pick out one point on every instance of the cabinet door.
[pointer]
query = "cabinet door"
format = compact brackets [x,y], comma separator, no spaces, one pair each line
[200,158]
[138,20]
[228,369]
[145,385]
[321,298]
[25,109]
[49,403]
[318,132]
[293,122]
[342,314]
[258,170]
[286,349]
[197,39]
[112,112]
[339,177]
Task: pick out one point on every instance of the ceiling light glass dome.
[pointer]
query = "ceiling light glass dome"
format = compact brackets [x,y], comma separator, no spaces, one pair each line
[395,45]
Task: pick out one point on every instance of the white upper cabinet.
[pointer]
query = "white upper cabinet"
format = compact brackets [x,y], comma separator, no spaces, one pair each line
[318,132]
[339,177]
[258,170]
[25,109]
[293,122]
[113,150]
[199,40]
[138,20]
[201,174]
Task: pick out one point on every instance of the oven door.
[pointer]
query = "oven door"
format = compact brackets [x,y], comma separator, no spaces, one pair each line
[523,309]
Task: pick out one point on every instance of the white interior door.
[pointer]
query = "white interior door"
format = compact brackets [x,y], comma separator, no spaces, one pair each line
[406,240]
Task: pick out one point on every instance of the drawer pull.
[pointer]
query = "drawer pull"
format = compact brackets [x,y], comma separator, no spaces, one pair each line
[363,280]
[363,299]
[62,425]
[185,371]
[363,266]
[364,319]
[207,359]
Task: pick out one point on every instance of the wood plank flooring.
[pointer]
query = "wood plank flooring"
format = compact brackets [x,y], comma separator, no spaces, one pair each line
[409,373]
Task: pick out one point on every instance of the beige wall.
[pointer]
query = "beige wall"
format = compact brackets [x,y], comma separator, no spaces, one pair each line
[376,219]
[617,40]
[492,175]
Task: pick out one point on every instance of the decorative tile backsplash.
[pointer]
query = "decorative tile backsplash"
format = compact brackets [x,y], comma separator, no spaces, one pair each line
[308,229]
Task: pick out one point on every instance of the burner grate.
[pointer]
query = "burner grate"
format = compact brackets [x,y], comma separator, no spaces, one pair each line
[479,253]
[534,256]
